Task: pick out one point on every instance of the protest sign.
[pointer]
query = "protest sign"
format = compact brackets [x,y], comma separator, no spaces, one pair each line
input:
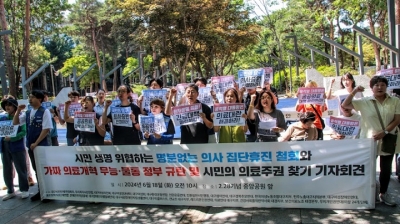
[84,121]
[186,114]
[135,98]
[251,78]
[73,107]
[220,84]
[121,116]
[91,94]
[335,174]
[311,96]
[229,114]
[152,124]
[151,94]
[265,127]
[344,126]
[205,96]
[7,129]
[393,77]
[180,91]
[268,75]
[46,105]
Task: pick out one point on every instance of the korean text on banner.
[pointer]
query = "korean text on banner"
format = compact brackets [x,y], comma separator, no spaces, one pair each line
[205,96]
[151,94]
[187,114]
[344,126]
[311,96]
[393,77]
[121,116]
[180,91]
[229,114]
[220,84]
[251,78]
[7,129]
[84,121]
[333,174]
[152,124]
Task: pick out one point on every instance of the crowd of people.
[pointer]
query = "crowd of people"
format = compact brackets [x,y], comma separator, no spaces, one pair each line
[264,122]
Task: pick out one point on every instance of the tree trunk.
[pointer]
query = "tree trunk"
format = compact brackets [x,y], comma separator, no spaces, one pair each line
[96,50]
[116,75]
[7,52]
[376,47]
[25,53]
[397,11]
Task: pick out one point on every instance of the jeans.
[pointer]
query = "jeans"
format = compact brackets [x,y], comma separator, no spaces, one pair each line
[386,170]
[320,134]
[54,141]
[70,142]
[19,160]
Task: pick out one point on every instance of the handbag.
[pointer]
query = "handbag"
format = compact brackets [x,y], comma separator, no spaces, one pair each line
[388,142]
[322,120]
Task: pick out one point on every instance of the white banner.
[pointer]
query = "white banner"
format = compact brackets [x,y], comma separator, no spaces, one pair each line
[268,75]
[7,129]
[220,84]
[251,78]
[205,96]
[311,96]
[84,121]
[310,174]
[343,126]
[121,116]
[73,107]
[393,77]
[186,114]
[229,114]
[152,124]
[151,94]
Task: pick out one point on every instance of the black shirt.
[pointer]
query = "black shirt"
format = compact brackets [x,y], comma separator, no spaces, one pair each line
[90,138]
[251,125]
[197,132]
[126,135]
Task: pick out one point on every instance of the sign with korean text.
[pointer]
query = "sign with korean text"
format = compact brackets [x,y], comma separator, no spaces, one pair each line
[151,94]
[229,114]
[205,96]
[251,78]
[135,98]
[393,77]
[268,174]
[186,114]
[219,84]
[152,124]
[180,91]
[268,75]
[73,107]
[46,105]
[84,121]
[311,96]
[343,126]
[121,116]
[7,129]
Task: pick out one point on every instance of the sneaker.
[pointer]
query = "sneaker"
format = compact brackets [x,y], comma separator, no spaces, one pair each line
[36,197]
[8,196]
[30,181]
[385,198]
[24,194]
[377,191]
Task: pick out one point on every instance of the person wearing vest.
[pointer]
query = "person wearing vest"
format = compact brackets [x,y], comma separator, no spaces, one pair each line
[38,124]
[13,151]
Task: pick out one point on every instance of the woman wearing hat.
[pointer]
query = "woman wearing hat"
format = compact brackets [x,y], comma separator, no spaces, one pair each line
[13,151]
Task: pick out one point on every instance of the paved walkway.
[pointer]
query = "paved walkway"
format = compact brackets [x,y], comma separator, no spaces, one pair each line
[24,211]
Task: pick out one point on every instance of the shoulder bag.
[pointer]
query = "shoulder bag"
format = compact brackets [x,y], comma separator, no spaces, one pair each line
[388,142]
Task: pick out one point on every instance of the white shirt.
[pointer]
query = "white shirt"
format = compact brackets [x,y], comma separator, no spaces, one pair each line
[46,122]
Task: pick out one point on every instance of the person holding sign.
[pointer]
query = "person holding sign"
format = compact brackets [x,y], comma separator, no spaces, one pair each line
[38,123]
[13,152]
[157,107]
[88,138]
[231,134]
[303,130]
[195,132]
[126,130]
[153,84]
[316,109]
[268,120]
[379,110]
[347,113]
[71,133]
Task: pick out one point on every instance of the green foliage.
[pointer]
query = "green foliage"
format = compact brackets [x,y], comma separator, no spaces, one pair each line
[59,46]
[81,63]
[39,56]
[138,89]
